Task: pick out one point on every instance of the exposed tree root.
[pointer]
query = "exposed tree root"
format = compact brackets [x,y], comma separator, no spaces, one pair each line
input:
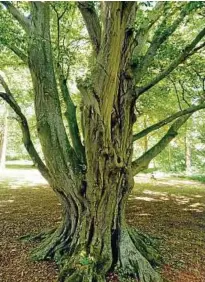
[134,256]
[38,237]
[146,245]
[51,246]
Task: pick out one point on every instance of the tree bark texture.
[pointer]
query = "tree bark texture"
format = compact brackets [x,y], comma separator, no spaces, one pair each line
[93,237]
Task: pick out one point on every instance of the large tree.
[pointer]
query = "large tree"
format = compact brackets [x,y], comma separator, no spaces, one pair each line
[92,174]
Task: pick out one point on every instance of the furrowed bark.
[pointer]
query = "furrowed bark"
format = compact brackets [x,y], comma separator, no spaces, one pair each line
[142,162]
[67,177]
[164,122]
[8,97]
[106,74]
[70,113]
[47,106]
[92,238]
[108,173]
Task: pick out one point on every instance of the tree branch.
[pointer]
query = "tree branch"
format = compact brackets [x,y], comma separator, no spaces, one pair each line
[143,31]
[197,49]
[154,15]
[188,51]
[23,21]
[165,121]
[177,94]
[92,22]
[18,52]
[71,117]
[8,97]
[142,162]
[160,36]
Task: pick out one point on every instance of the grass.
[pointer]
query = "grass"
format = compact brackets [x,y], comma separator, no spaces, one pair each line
[20,166]
[200,178]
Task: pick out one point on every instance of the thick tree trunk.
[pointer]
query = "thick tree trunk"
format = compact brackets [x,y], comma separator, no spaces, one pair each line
[3,139]
[90,244]
[93,237]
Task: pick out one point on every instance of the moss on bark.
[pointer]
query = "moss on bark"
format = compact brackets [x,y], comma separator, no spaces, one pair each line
[133,257]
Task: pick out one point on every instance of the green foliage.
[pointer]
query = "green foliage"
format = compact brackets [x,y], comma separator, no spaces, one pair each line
[200,178]
[72,52]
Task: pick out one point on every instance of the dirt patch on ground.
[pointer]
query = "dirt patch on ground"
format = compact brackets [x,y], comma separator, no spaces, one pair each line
[172,212]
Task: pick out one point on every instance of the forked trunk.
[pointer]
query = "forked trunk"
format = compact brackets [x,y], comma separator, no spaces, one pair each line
[93,238]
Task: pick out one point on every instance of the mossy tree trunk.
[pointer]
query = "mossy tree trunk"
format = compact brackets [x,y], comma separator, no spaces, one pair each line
[93,180]
[93,234]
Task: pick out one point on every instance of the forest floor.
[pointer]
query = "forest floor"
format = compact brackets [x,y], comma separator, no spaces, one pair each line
[170,209]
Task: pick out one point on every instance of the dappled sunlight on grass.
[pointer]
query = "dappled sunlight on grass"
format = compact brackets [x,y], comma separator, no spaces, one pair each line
[149,192]
[159,196]
[194,209]
[147,199]
[175,213]
[7,201]
[144,214]
[166,180]
[17,178]
[181,200]
[197,205]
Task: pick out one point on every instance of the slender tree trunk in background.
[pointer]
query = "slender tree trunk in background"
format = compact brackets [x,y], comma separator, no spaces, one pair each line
[187,153]
[3,139]
[146,137]
[170,158]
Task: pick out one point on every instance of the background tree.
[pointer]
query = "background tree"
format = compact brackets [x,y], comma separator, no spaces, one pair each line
[94,177]
[3,134]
